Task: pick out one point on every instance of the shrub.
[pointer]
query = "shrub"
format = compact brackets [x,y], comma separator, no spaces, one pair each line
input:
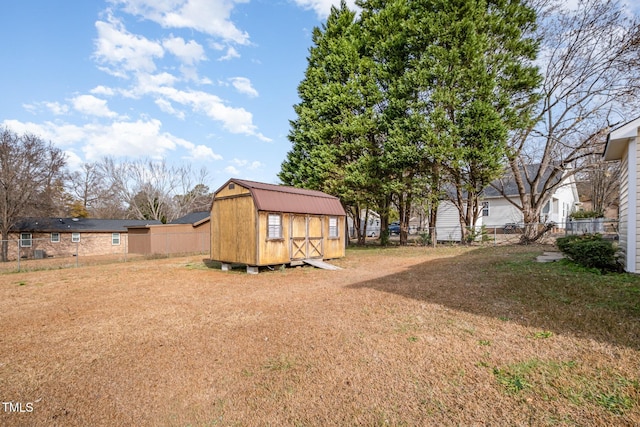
[589,250]
[587,214]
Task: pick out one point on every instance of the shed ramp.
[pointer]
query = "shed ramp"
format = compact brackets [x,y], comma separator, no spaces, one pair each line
[321,264]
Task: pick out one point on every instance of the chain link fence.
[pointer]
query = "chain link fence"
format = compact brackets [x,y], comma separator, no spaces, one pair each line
[28,252]
[509,233]
[56,250]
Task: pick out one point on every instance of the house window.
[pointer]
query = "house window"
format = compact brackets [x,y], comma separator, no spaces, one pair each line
[55,237]
[333,226]
[75,237]
[25,240]
[485,208]
[274,226]
[232,186]
[115,239]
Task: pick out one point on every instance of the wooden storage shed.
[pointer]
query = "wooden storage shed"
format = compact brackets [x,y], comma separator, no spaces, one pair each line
[260,224]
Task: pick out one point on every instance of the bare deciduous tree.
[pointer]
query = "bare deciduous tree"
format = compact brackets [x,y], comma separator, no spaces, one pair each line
[153,190]
[590,59]
[30,173]
[602,179]
[87,187]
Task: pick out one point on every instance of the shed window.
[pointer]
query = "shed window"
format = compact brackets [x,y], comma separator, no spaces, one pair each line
[115,239]
[333,226]
[75,237]
[25,240]
[55,237]
[274,226]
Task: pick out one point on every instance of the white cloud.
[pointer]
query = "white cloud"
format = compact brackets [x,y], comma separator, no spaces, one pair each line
[167,107]
[202,152]
[123,52]
[189,53]
[121,138]
[234,120]
[102,90]
[74,162]
[57,108]
[323,7]
[151,83]
[207,16]
[232,171]
[231,53]
[243,85]
[246,164]
[54,108]
[92,106]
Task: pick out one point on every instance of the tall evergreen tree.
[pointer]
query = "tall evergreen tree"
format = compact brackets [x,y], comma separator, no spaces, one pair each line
[334,134]
[407,148]
[478,60]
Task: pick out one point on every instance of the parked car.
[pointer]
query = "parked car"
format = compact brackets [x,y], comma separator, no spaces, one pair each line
[394,228]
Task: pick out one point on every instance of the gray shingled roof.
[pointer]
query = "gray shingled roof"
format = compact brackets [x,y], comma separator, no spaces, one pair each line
[192,218]
[58,225]
[509,185]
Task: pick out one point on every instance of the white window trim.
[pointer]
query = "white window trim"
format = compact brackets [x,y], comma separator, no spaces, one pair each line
[334,230]
[55,240]
[485,207]
[23,240]
[271,227]
[114,237]
[75,237]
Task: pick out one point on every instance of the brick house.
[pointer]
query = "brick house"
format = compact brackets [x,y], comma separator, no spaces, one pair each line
[57,237]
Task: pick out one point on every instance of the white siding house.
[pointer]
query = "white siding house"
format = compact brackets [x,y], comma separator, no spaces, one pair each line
[622,144]
[499,211]
[448,222]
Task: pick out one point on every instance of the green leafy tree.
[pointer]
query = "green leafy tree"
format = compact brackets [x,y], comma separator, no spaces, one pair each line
[478,60]
[409,153]
[334,136]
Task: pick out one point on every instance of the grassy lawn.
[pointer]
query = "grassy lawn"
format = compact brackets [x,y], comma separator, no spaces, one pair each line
[400,336]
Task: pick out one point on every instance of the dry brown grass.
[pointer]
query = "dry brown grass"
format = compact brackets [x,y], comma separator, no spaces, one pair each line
[401,336]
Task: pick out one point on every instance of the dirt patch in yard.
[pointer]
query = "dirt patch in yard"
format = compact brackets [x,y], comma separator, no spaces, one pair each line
[400,336]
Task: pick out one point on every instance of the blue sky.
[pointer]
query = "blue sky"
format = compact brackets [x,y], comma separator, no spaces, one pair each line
[205,82]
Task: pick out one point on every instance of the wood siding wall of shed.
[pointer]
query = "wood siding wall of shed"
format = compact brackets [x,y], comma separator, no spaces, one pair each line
[274,251]
[335,247]
[233,227]
[278,251]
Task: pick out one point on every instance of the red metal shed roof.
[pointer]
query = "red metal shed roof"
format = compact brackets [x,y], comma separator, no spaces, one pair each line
[280,198]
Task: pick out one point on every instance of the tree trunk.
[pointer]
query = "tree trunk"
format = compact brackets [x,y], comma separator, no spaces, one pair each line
[5,246]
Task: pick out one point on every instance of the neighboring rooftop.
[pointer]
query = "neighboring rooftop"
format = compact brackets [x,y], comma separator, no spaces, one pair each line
[95,225]
[508,184]
[192,218]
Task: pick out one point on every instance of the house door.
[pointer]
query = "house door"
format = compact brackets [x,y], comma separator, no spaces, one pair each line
[306,237]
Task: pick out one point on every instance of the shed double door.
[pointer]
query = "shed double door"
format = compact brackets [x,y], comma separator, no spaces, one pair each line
[306,237]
